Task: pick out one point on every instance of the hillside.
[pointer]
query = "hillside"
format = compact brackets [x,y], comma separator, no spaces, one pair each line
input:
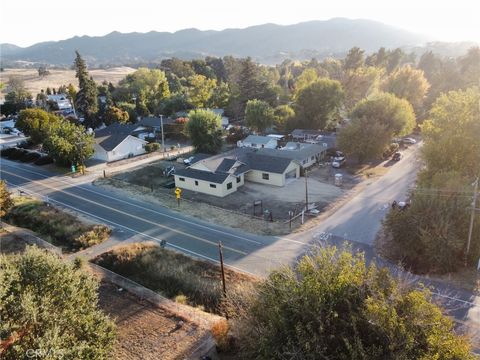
[268,43]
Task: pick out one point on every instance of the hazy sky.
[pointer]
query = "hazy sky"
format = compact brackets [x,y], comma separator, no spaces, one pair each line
[25,22]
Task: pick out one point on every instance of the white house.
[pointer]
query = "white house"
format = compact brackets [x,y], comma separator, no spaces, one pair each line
[115,142]
[223,174]
[258,142]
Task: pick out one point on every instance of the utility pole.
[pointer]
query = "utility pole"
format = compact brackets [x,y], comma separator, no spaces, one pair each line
[472,218]
[306,190]
[163,139]
[222,268]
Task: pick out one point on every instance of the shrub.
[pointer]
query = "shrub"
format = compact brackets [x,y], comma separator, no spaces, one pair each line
[220,331]
[97,235]
[57,227]
[181,299]
[331,305]
[151,147]
[49,305]
[44,160]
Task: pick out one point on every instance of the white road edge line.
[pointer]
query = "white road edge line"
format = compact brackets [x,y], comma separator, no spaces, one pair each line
[69,182]
[135,231]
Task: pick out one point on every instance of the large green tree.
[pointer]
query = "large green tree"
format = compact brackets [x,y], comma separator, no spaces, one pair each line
[17,98]
[283,115]
[200,90]
[431,234]
[452,134]
[50,308]
[259,115]
[395,114]
[36,123]
[147,86]
[318,103]
[374,122]
[360,83]
[204,130]
[68,143]
[355,59]
[86,101]
[332,306]
[410,84]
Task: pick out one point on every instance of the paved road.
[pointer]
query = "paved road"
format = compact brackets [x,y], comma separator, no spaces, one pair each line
[358,221]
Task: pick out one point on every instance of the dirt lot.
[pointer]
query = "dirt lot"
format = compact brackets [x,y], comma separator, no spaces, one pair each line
[145,331]
[35,83]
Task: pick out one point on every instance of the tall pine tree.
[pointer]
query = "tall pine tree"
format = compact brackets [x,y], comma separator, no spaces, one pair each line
[86,99]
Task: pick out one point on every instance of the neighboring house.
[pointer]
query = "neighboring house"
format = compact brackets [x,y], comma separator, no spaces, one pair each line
[221,113]
[116,142]
[154,123]
[327,139]
[271,170]
[61,103]
[304,154]
[221,175]
[258,142]
[218,177]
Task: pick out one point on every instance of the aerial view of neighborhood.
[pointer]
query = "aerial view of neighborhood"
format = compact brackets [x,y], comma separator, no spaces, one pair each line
[240,180]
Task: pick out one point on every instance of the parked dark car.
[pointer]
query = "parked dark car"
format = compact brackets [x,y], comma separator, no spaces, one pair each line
[397,156]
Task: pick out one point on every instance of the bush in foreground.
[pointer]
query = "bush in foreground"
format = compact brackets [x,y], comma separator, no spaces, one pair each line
[332,306]
[50,308]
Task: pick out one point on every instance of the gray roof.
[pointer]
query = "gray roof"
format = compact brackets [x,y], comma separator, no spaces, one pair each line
[217,178]
[226,165]
[111,136]
[154,121]
[267,163]
[303,132]
[198,157]
[305,151]
[255,139]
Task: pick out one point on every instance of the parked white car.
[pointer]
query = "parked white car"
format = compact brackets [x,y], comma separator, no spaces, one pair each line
[409,140]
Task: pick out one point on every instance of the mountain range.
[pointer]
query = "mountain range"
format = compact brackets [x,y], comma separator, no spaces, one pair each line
[268,43]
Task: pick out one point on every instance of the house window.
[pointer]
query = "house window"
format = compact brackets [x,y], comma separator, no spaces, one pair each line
[196,182]
[229,186]
[213,186]
[181,179]
[265,176]
[239,178]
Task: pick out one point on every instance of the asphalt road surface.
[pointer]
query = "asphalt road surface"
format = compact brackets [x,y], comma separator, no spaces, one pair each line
[357,221]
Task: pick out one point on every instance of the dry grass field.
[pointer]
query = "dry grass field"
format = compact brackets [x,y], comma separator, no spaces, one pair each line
[35,83]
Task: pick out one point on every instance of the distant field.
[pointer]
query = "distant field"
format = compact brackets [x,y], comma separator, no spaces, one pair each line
[35,83]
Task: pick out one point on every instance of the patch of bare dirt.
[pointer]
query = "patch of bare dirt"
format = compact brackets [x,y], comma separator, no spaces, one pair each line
[204,211]
[11,243]
[145,331]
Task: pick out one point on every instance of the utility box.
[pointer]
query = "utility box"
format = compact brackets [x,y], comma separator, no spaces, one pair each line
[338,179]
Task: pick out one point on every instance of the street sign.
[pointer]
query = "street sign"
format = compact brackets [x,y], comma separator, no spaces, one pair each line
[178,192]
